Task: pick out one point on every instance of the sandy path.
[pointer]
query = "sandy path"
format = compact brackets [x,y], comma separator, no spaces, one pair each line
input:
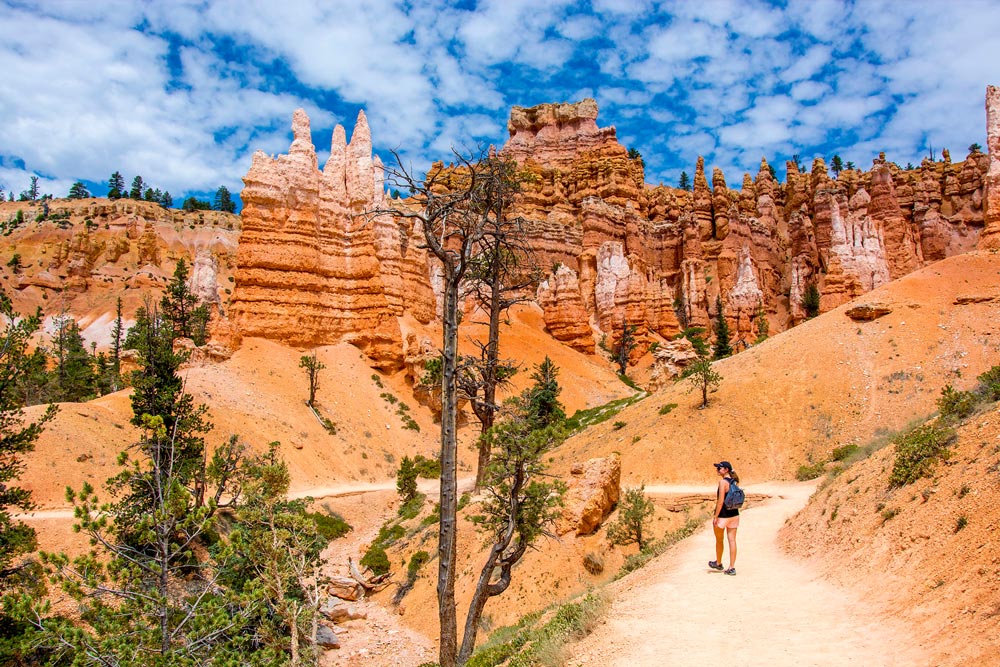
[669,612]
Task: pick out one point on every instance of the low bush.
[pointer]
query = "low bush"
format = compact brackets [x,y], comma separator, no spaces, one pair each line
[665,409]
[427,468]
[954,404]
[810,471]
[330,526]
[844,453]
[989,384]
[376,560]
[918,451]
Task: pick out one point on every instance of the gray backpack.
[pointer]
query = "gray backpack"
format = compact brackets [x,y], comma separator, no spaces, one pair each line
[734,496]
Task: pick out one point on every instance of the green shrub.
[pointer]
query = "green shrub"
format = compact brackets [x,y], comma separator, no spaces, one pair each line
[962,522]
[989,384]
[377,380]
[416,562]
[427,468]
[810,471]
[411,508]
[388,534]
[376,560]
[389,397]
[330,526]
[954,405]
[464,500]
[917,452]
[890,513]
[619,425]
[406,480]
[844,453]
[665,409]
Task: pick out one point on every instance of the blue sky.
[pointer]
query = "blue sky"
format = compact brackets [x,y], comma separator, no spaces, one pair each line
[183,92]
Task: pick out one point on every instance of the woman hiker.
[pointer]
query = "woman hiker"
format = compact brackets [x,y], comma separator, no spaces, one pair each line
[725,520]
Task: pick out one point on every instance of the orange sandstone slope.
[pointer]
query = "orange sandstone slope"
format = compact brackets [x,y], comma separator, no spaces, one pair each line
[259,394]
[926,551]
[828,382]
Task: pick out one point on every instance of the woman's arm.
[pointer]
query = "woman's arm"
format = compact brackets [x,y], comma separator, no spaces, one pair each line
[720,496]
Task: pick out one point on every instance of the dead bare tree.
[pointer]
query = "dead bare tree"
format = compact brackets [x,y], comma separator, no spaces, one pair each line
[443,205]
[502,273]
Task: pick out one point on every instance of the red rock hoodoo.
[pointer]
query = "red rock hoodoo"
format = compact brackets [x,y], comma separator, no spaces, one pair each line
[314,269]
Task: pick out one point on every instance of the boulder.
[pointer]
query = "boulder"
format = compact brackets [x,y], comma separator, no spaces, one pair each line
[345,588]
[326,637]
[866,312]
[338,612]
[592,493]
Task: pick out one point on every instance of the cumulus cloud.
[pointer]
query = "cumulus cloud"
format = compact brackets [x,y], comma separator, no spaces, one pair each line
[183,91]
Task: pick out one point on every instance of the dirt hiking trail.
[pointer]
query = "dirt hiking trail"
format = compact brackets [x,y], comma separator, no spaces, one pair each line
[674,610]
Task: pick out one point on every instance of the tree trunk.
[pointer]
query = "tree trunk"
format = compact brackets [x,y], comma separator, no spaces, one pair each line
[447,530]
[490,377]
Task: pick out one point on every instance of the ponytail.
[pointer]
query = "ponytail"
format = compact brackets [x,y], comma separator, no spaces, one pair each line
[732,473]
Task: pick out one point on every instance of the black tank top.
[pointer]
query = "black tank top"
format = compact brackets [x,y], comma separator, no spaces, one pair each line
[725,513]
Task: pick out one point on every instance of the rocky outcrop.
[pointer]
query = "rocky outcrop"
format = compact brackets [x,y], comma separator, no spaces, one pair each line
[592,493]
[990,239]
[315,266]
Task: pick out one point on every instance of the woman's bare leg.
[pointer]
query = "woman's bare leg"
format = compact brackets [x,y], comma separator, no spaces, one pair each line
[718,543]
[731,535]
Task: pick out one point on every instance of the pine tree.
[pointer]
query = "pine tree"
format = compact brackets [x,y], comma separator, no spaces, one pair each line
[722,347]
[837,165]
[79,191]
[74,373]
[224,201]
[763,327]
[179,303]
[312,366]
[542,398]
[166,201]
[117,338]
[623,348]
[137,188]
[634,512]
[33,190]
[16,437]
[703,377]
[685,181]
[116,186]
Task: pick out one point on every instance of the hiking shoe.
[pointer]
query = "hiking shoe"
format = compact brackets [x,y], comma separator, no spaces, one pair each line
[731,572]
[715,565]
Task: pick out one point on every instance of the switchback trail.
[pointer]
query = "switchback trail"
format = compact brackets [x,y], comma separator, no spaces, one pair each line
[775,612]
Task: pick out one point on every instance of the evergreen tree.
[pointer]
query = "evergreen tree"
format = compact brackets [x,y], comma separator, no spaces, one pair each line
[138,187]
[74,375]
[179,303]
[703,377]
[224,201]
[312,366]
[166,200]
[406,479]
[33,190]
[811,301]
[116,186]
[149,195]
[542,398]
[158,392]
[685,181]
[975,148]
[849,166]
[722,347]
[763,327]
[837,165]
[623,348]
[634,512]
[195,204]
[16,437]
[79,191]
[117,338]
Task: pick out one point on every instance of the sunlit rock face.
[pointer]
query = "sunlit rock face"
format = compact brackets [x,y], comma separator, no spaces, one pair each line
[990,239]
[658,257]
[313,267]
